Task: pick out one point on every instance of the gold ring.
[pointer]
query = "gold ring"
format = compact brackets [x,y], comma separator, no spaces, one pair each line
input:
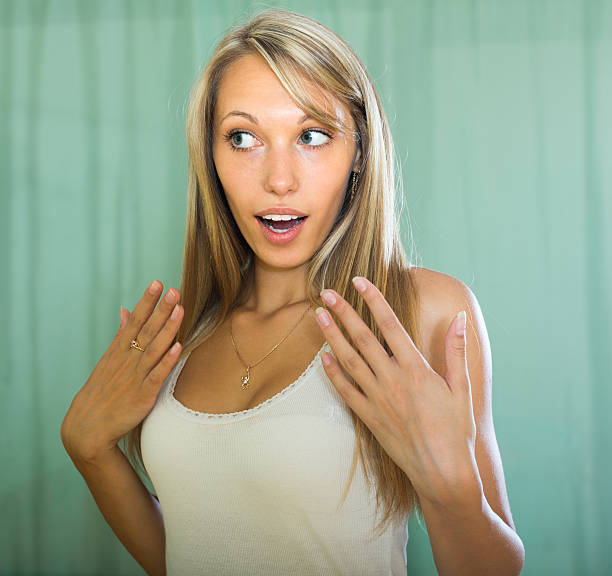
[135,344]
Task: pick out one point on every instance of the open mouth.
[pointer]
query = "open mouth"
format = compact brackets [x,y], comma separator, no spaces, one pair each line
[281,226]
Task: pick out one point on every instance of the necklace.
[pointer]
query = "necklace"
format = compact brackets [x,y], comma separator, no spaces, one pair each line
[246,378]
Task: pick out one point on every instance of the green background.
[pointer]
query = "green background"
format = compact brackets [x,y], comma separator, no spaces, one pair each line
[501,112]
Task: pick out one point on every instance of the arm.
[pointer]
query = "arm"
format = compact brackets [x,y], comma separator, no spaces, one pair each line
[475,535]
[472,541]
[438,429]
[118,395]
[128,507]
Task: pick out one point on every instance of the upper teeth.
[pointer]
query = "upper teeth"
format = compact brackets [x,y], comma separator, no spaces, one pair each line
[280,217]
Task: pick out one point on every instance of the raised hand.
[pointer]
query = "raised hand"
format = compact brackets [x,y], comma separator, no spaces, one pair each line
[124,384]
[424,421]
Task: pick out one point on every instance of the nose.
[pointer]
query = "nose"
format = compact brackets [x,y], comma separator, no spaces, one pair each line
[280,171]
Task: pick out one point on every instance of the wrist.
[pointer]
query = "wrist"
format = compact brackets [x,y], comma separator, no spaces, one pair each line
[461,498]
[94,457]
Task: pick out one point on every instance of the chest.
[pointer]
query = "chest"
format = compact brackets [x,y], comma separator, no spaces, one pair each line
[211,380]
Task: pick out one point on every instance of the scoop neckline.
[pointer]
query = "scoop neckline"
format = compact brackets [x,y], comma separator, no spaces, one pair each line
[240,414]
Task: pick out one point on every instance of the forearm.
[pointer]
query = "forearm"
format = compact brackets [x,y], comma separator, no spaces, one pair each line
[128,507]
[473,542]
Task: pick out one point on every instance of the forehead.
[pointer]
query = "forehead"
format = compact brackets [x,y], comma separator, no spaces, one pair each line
[250,85]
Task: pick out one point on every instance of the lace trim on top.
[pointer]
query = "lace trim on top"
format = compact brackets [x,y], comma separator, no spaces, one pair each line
[241,413]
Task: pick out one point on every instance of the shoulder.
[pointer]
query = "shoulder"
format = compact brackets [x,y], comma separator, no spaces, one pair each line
[439,298]
[438,290]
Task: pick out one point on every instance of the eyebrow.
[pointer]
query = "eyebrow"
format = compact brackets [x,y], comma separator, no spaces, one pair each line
[253,119]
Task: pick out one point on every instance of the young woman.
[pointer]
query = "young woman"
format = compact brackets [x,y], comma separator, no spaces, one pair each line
[249,404]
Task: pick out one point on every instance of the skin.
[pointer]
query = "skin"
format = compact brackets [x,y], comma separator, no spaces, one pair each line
[430,409]
[280,164]
[432,418]
[431,412]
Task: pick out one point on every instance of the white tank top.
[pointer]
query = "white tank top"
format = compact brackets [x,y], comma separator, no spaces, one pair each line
[258,491]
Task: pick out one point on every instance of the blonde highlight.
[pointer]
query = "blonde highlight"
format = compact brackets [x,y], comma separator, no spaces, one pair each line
[364,241]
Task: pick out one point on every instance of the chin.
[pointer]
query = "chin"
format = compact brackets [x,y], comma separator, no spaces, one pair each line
[286,261]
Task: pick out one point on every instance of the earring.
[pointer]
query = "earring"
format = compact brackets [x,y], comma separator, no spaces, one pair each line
[355,179]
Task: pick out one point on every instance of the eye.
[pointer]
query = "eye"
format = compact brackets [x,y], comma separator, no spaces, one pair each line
[237,140]
[315,138]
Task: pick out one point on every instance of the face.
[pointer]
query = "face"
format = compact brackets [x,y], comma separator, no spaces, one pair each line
[268,156]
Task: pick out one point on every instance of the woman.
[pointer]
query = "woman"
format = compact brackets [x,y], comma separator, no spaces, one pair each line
[249,429]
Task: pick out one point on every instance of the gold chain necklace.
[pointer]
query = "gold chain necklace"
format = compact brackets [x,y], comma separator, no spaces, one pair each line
[245,379]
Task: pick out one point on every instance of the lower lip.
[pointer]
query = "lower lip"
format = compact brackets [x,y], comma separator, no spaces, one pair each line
[283,237]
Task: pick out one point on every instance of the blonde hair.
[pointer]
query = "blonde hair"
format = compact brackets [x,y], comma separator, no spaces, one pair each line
[364,240]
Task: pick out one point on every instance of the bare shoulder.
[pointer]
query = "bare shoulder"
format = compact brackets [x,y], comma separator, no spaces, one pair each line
[440,297]
[439,289]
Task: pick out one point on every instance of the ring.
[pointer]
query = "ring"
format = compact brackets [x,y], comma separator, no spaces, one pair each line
[135,344]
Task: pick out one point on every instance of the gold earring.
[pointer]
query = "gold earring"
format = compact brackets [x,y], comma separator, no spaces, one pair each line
[354,185]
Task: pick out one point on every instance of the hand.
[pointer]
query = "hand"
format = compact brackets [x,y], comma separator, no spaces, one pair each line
[123,387]
[425,422]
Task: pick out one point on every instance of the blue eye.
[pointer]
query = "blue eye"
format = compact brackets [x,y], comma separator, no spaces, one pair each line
[322,137]
[237,138]
[311,138]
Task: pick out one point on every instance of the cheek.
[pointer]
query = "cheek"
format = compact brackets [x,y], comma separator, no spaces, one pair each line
[329,187]
[328,191]
[235,181]
[227,175]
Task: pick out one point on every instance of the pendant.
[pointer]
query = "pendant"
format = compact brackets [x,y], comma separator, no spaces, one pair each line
[245,380]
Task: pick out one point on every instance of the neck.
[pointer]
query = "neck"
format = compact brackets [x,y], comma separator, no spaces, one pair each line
[275,289]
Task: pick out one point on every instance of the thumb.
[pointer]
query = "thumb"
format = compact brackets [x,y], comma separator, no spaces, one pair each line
[456,354]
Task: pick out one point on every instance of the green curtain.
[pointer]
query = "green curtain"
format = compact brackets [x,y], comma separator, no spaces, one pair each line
[501,115]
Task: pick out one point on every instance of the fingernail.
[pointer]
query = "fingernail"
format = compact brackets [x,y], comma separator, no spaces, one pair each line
[175,313]
[322,316]
[359,284]
[154,287]
[328,298]
[461,323]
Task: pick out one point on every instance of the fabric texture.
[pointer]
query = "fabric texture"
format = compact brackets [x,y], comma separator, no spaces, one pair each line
[259,491]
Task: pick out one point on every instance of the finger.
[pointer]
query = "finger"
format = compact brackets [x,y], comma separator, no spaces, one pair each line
[141,313]
[156,377]
[158,319]
[351,395]
[156,349]
[361,335]
[399,341]
[346,355]
[457,375]
[124,315]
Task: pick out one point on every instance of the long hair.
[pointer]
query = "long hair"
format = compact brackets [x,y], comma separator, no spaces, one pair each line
[364,240]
